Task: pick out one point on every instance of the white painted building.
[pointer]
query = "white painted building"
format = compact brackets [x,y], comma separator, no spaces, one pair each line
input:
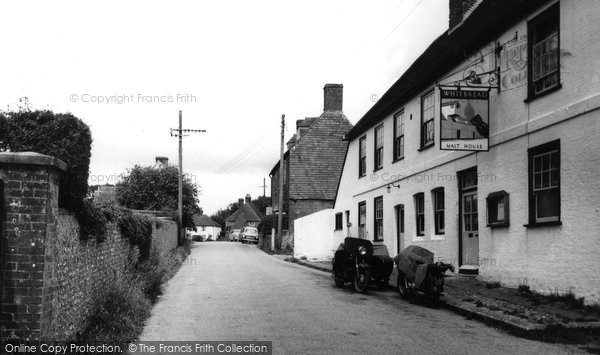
[532,214]
[207,228]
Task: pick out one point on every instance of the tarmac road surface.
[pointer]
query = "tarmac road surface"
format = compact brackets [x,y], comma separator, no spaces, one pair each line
[233,291]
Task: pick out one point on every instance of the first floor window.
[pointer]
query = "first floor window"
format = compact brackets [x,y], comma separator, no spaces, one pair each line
[378,147]
[362,157]
[438,209]
[544,52]
[362,219]
[378,218]
[544,183]
[338,221]
[399,135]
[427,118]
[420,213]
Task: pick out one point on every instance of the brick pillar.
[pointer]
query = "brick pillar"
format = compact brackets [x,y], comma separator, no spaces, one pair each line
[27,234]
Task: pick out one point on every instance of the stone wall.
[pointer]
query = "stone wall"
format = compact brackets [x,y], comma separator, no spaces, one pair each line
[49,275]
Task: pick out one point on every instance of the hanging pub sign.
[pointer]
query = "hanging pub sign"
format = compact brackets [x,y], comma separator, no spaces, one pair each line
[464,123]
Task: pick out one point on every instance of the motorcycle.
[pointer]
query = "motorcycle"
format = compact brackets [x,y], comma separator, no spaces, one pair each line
[417,273]
[359,262]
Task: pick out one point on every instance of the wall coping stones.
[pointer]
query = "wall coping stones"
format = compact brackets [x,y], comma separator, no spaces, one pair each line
[32,158]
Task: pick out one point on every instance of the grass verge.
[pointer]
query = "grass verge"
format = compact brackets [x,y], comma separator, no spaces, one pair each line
[126,302]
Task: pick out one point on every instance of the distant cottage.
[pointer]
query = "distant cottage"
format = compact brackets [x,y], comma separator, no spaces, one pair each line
[246,215]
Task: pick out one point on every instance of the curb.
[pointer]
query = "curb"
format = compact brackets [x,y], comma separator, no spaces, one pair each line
[515,325]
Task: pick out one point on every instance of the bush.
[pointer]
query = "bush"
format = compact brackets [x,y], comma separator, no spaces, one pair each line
[61,135]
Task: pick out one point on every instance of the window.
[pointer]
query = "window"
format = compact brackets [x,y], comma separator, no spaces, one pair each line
[399,135]
[438,209]
[420,213]
[362,157]
[378,202]
[544,52]
[348,224]
[427,115]
[362,218]
[544,183]
[338,221]
[378,147]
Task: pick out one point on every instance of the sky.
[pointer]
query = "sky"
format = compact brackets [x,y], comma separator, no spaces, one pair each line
[233,67]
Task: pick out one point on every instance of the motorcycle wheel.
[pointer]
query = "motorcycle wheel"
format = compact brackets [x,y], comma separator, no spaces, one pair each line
[362,278]
[404,286]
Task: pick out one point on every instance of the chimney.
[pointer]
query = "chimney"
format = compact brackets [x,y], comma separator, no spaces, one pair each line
[460,10]
[333,97]
[240,202]
[248,198]
[162,160]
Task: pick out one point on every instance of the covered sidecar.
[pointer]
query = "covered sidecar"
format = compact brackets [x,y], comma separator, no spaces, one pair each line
[413,261]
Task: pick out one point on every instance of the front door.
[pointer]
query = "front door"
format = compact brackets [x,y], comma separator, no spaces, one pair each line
[399,228]
[470,228]
[469,219]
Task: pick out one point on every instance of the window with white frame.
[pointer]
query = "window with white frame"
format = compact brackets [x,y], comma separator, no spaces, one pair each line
[420,213]
[399,135]
[544,52]
[378,202]
[362,157]
[438,209]
[427,119]
[378,147]
[544,176]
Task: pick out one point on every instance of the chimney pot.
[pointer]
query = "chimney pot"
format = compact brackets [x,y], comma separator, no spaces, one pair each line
[334,94]
[248,198]
[240,202]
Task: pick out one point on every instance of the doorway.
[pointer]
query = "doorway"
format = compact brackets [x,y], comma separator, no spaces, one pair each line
[469,222]
[399,211]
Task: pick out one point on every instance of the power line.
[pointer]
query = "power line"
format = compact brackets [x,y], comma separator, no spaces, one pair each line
[405,17]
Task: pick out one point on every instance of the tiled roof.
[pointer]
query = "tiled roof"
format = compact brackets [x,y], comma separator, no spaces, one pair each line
[204,220]
[488,19]
[317,159]
[248,213]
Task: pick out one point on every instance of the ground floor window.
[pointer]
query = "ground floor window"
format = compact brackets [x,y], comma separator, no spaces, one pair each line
[544,183]
[438,209]
[420,213]
[338,221]
[378,202]
[362,218]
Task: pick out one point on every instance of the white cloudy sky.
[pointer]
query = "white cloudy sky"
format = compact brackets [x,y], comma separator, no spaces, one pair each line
[246,63]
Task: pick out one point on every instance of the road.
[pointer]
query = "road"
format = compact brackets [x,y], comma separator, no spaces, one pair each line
[230,291]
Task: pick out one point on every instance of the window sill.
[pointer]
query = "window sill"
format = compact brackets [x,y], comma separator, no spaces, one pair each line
[426,146]
[418,238]
[542,94]
[338,229]
[377,169]
[498,225]
[543,224]
[397,160]
[361,176]
[438,237]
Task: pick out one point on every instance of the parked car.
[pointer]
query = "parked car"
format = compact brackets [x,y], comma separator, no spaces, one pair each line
[249,235]
[235,235]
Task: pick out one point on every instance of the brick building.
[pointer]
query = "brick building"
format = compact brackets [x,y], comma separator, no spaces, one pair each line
[246,215]
[313,161]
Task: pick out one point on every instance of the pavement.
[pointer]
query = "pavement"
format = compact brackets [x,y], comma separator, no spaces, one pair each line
[505,308]
[229,291]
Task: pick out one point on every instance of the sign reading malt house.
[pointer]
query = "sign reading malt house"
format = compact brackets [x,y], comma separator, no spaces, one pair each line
[464,123]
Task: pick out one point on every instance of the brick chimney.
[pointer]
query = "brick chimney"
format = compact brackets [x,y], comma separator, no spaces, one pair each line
[334,94]
[162,160]
[240,202]
[248,198]
[460,10]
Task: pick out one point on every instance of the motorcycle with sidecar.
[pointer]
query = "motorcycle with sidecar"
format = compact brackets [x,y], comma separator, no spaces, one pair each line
[359,262]
[418,273]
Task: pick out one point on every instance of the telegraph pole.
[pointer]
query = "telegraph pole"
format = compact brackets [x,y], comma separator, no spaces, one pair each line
[179,134]
[264,187]
[281,166]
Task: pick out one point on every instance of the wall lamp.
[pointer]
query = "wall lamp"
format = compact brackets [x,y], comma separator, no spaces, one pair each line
[389,187]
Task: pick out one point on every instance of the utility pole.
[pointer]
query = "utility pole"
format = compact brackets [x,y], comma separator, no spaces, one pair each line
[264,187]
[179,134]
[281,167]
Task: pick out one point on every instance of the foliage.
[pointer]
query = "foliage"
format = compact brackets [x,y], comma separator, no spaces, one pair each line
[61,135]
[222,214]
[150,188]
[94,219]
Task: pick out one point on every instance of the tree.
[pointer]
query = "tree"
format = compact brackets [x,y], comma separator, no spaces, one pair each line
[60,135]
[157,188]
[222,214]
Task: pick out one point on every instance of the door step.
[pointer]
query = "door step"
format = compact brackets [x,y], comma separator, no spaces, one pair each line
[468,270]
